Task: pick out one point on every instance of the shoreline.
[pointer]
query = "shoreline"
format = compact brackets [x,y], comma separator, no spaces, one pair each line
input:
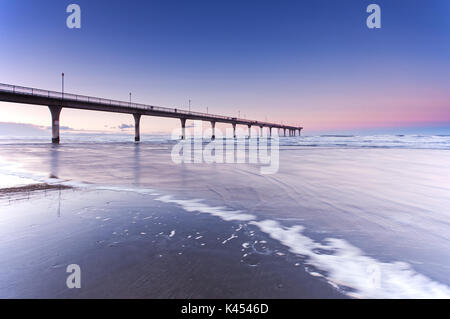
[346,266]
[130,246]
[32,188]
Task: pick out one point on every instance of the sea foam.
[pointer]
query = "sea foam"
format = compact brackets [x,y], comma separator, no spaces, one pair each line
[342,264]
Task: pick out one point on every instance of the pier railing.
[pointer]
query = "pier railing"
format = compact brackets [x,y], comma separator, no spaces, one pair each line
[90,99]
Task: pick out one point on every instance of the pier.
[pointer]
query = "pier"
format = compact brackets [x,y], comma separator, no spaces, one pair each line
[56,101]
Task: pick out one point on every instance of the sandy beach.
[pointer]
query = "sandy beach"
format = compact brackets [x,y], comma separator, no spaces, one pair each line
[141,226]
[130,246]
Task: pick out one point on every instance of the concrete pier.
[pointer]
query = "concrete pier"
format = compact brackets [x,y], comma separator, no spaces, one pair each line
[183,128]
[249,131]
[55,101]
[213,127]
[55,111]
[137,120]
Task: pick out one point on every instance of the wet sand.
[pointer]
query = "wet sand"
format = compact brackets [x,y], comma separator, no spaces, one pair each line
[20,190]
[333,222]
[146,249]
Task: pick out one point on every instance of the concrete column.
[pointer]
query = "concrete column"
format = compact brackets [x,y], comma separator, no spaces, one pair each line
[234,130]
[249,131]
[270,132]
[213,126]
[284,132]
[137,121]
[260,131]
[300,132]
[55,111]
[183,129]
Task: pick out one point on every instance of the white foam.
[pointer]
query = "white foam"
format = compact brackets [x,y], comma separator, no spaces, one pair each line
[348,266]
[12,175]
[230,238]
[196,205]
[7,181]
[344,265]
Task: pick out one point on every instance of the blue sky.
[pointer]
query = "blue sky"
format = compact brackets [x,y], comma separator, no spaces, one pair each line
[313,63]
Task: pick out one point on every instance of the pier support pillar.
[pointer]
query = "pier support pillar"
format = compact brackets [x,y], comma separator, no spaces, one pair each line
[284,132]
[261,131]
[213,126]
[55,111]
[234,130]
[183,129]
[137,121]
[270,132]
[300,132]
[249,131]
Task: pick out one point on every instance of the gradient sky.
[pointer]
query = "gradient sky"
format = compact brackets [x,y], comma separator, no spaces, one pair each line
[313,63]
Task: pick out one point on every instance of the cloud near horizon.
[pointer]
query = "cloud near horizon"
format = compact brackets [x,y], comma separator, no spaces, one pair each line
[124,126]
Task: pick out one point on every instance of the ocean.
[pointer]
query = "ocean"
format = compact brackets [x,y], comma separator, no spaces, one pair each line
[343,217]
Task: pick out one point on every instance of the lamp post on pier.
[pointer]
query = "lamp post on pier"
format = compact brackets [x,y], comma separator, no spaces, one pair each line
[62,84]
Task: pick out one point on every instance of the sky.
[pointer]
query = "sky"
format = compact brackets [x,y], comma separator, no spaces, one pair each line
[310,63]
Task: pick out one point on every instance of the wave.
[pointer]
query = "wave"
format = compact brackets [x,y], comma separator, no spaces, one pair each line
[337,135]
[343,265]
[331,140]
